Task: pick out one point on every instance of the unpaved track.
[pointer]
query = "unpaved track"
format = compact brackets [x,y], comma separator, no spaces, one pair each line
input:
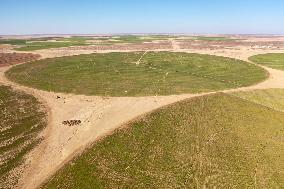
[139,61]
[100,116]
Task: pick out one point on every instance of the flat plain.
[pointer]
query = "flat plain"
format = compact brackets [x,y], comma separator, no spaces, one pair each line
[149,111]
[137,74]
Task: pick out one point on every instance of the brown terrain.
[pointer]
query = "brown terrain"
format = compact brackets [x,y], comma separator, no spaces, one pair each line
[16,58]
[66,136]
[217,45]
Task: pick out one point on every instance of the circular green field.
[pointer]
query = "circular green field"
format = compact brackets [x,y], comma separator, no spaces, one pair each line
[214,141]
[137,74]
[272,60]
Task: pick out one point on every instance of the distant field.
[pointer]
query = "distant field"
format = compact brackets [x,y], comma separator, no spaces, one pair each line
[44,43]
[214,38]
[132,39]
[216,141]
[48,45]
[25,41]
[137,74]
[273,60]
[273,98]
[57,42]
[13,41]
[22,119]
[146,38]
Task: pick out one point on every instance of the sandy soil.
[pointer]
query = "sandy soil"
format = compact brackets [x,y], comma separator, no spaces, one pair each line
[6,48]
[265,39]
[100,116]
[175,44]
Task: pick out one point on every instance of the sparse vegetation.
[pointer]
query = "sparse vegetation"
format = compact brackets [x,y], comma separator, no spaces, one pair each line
[22,119]
[13,41]
[216,141]
[131,39]
[272,98]
[203,38]
[48,45]
[44,43]
[141,39]
[58,42]
[272,60]
[16,58]
[137,74]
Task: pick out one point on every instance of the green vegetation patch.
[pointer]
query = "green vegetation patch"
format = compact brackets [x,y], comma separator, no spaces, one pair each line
[203,38]
[273,98]
[48,45]
[47,42]
[26,41]
[145,38]
[77,38]
[272,60]
[58,42]
[13,41]
[216,141]
[22,119]
[137,74]
[132,39]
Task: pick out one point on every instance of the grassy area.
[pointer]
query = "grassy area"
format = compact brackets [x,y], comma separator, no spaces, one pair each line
[161,37]
[57,42]
[13,41]
[132,39]
[118,74]
[273,98]
[203,38]
[216,141]
[273,60]
[78,38]
[48,45]
[22,119]
[46,42]
[26,41]
[146,38]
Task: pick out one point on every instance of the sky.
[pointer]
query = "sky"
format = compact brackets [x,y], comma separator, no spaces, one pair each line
[141,16]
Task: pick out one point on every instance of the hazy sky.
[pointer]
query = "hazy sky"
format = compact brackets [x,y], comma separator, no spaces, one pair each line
[141,16]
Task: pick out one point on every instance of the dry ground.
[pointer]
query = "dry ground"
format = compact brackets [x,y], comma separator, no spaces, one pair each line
[100,115]
[16,58]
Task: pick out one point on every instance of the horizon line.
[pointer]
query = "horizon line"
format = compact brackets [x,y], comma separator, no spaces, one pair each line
[144,33]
